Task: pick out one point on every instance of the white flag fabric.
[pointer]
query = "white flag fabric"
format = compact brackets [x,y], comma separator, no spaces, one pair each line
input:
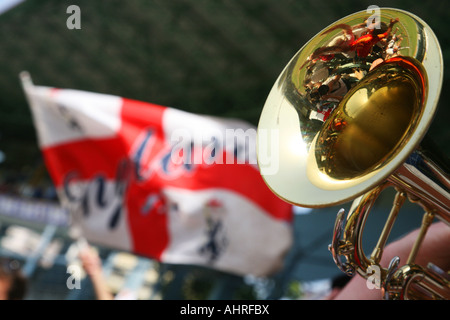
[159,182]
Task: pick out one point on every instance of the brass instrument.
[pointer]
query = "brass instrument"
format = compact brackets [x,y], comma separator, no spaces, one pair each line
[346,119]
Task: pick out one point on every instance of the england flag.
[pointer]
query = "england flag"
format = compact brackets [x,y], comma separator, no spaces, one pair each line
[159,182]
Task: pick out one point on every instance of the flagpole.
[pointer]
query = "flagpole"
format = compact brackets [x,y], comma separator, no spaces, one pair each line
[27,85]
[25,78]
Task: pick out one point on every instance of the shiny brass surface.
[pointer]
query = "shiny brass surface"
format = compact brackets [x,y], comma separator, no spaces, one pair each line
[345,120]
[297,109]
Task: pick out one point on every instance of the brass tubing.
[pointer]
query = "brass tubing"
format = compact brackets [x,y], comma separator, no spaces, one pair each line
[399,200]
[426,222]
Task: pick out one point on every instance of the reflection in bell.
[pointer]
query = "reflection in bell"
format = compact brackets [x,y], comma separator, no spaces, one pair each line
[373,120]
